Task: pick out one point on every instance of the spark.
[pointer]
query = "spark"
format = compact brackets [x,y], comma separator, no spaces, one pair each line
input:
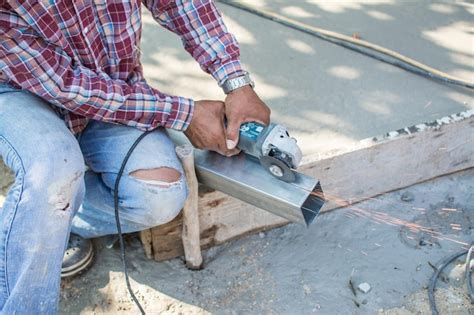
[380,217]
[449,209]
[420,209]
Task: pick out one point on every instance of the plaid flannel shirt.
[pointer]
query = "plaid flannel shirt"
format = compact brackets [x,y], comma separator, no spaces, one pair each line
[83,57]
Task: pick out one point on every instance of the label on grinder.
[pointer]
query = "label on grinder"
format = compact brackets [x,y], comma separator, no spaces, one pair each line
[251,130]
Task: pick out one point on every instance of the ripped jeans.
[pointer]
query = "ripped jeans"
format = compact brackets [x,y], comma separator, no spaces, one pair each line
[53,195]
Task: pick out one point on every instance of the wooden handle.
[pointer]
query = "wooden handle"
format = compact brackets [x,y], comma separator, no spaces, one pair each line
[191,232]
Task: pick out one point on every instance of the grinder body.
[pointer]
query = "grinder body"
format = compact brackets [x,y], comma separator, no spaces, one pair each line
[272,146]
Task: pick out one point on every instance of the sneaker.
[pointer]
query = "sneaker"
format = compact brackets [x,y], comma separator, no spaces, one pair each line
[78,256]
[110,240]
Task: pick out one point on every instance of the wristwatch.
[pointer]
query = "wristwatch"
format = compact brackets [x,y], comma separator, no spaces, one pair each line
[237,82]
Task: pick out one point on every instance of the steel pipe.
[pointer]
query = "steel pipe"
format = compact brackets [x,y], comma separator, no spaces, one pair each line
[243,177]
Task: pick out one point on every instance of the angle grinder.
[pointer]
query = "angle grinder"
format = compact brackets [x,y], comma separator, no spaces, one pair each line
[273,147]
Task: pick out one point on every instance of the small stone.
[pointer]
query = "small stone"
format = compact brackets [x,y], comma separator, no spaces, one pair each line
[261,234]
[407,196]
[364,301]
[364,287]
[307,289]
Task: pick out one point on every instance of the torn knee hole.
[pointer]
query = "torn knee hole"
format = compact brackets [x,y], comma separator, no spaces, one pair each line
[163,176]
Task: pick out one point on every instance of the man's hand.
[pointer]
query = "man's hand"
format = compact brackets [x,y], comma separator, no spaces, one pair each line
[241,106]
[206,130]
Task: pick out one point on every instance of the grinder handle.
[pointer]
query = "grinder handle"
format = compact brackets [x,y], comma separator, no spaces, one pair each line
[249,135]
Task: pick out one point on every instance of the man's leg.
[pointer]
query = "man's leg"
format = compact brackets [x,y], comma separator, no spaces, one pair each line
[36,216]
[152,190]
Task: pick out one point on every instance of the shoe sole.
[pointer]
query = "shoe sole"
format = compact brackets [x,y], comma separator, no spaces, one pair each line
[79,266]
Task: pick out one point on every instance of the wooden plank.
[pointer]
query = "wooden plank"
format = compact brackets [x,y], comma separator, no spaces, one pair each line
[221,218]
[371,167]
[396,159]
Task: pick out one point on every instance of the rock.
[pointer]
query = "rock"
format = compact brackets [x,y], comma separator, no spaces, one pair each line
[261,234]
[407,196]
[307,289]
[364,287]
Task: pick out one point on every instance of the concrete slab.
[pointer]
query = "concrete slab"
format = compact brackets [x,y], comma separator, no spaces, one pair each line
[384,241]
[328,96]
[433,32]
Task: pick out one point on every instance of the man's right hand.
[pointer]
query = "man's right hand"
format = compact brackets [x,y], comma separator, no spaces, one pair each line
[207,130]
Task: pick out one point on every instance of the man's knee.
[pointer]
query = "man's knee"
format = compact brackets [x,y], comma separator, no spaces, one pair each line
[162,196]
[162,176]
[60,178]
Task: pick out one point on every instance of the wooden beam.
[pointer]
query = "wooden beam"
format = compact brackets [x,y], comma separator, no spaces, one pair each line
[371,167]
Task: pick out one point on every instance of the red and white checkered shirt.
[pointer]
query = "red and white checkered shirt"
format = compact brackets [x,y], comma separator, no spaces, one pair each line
[83,57]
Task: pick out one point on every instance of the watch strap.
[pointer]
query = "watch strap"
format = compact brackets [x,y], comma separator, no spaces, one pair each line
[237,82]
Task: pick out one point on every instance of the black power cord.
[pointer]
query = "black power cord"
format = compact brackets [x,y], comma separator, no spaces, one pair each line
[445,262]
[117,218]
[468,273]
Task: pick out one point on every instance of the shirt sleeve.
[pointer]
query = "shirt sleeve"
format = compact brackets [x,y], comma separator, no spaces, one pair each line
[203,33]
[47,71]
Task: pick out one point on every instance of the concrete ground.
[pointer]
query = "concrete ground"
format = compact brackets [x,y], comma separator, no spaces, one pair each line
[329,96]
[294,270]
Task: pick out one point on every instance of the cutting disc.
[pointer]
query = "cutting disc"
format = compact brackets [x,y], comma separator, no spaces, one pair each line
[278,168]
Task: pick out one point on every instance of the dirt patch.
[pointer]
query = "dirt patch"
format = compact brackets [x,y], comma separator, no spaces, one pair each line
[448,301]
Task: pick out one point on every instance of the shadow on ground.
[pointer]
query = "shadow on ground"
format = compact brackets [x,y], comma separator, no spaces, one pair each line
[329,96]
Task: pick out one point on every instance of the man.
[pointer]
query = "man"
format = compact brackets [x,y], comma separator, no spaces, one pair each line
[72,93]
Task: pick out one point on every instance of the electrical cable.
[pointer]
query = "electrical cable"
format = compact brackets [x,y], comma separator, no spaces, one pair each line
[468,273]
[117,218]
[443,264]
[364,47]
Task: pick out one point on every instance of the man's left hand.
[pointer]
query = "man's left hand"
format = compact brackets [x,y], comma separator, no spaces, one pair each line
[243,105]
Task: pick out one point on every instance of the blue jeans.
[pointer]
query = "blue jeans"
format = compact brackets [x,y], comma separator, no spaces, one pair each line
[53,194]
